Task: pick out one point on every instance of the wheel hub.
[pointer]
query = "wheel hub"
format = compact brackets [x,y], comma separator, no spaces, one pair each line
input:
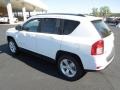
[68,68]
[12,47]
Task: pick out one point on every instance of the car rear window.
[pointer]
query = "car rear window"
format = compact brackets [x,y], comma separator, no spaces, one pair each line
[102,28]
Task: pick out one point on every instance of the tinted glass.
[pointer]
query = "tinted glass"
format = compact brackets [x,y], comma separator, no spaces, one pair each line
[32,26]
[49,25]
[102,28]
[69,26]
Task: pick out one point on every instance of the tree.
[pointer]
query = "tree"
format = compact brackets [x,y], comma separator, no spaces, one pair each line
[95,12]
[105,11]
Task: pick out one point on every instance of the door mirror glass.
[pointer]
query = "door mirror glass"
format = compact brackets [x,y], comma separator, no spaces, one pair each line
[25,28]
[18,27]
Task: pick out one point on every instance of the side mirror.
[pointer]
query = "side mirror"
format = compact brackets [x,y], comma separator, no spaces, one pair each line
[18,27]
[25,28]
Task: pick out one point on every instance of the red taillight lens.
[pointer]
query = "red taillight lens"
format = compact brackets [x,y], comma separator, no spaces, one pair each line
[97,48]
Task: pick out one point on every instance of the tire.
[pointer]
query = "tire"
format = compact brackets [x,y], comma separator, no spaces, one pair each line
[13,46]
[70,68]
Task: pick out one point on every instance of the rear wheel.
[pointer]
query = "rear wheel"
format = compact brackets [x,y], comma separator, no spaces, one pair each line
[70,68]
[13,46]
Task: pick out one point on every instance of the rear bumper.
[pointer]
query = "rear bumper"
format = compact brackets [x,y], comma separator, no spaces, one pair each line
[102,61]
[101,67]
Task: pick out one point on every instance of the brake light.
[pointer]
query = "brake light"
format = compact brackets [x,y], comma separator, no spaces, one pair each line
[97,48]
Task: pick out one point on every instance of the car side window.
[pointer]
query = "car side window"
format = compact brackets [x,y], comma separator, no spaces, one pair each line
[50,25]
[32,25]
[69,26]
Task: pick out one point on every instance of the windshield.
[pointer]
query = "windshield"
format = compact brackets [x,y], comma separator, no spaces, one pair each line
[102,28]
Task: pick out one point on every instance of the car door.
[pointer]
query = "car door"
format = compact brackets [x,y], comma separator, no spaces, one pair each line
[26,37]
[49,38]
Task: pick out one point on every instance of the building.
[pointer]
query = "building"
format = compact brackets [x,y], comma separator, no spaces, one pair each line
[8,7]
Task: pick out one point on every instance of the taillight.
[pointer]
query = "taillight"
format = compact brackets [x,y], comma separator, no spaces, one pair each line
[97,48]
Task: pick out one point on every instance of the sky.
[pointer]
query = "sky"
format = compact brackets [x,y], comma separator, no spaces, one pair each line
[80,6]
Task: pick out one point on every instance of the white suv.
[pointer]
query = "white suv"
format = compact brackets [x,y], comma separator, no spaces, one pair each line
[74,42]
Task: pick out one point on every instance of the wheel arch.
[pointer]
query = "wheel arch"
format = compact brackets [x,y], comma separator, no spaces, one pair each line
[10,37]
[60,53]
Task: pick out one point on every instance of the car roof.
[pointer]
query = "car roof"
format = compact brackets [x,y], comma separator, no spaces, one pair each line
[82,15]
[76,17]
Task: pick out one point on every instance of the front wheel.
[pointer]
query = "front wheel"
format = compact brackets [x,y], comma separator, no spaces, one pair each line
[13,46]
[70,68]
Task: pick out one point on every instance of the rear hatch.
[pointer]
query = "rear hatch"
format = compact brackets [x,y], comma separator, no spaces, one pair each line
[106,35]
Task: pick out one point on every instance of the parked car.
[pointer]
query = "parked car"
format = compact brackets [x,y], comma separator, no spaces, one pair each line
[111,20]
[118,25]
[117,21]
[5,19]
[74,42]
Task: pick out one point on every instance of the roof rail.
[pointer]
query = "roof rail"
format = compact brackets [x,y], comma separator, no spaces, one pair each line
[63,14]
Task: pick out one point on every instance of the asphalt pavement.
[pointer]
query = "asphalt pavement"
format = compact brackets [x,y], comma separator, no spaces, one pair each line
[27,72]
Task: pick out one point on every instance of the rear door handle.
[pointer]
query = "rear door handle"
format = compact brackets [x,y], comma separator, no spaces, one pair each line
[52,37]
[32,35]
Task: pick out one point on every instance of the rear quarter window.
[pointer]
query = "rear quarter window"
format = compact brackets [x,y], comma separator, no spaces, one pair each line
[69,26]
[102,28]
